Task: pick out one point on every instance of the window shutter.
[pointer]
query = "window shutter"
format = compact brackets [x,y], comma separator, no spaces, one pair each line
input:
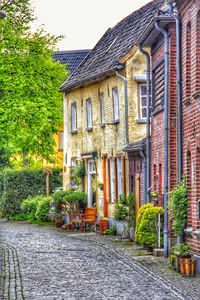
[115,179]
[108,180]
[123,176]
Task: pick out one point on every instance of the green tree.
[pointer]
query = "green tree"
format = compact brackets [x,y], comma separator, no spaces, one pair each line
[30,101]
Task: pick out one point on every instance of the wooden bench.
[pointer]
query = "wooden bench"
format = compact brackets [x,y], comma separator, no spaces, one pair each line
[81,220]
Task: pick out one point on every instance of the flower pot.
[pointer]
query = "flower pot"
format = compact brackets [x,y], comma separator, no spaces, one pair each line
[104,224]
[187,266]
[58,223]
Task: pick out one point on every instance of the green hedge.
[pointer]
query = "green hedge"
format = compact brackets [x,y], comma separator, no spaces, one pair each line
[16,186]
[146,231]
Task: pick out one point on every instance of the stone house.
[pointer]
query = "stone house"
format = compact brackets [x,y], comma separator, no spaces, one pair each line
[72,58]
[173,37]
[105,115]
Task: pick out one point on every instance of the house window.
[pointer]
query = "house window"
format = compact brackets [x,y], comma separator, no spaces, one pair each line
[74,117]
[61,142]
[143,100]
[89,113]
[115,104]
[102,109]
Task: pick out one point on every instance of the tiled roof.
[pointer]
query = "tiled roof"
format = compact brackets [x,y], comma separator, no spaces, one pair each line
[73,58]
[114,45]
[136,146]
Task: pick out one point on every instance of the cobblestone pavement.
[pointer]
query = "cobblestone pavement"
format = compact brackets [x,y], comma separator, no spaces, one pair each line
[41,263]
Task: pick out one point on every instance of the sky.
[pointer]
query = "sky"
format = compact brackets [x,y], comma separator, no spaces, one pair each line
[81,22]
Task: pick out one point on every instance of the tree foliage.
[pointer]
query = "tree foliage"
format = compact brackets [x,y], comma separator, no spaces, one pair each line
[30,102]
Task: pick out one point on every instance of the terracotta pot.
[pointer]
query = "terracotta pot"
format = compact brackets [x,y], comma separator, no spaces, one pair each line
[187,266]
[104,224]
[58,222]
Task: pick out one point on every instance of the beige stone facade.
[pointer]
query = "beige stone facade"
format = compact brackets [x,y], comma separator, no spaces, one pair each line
[107,141]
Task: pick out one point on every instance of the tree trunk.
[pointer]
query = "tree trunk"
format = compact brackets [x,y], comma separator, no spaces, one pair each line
[25,158]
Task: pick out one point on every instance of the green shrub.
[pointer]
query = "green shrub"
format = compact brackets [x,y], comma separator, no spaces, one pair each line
[15,186]
[58,200]
[29,206]
[43,210]
[125,209]
[182,250]
[76,200]
[111,231]
[146,227]
[19,217]
[178,207]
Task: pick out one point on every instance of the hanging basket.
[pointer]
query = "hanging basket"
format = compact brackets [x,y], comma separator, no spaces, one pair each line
[188,266]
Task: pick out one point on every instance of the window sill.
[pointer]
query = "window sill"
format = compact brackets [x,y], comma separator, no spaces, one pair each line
[115,122]
[157,110]
[88,129]
[141,121]
[74,131]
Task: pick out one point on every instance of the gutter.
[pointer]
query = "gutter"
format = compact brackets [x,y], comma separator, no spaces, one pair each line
[147,173]
[118,68]
[166,113]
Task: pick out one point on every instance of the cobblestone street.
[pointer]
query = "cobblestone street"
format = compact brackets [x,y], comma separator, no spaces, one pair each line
[42,263]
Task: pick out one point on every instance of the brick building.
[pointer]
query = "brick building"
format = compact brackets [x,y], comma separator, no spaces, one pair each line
[105,114]
[190,21]
[188,13]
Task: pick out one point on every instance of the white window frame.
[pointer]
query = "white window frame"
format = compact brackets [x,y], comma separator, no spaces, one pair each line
[102,108]
[140,99]
[115,104]
[89,112]
[74,116]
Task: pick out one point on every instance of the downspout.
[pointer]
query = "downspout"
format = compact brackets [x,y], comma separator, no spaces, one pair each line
[179,100]
[126,105]
[147,186]
[179,92]
[166,96]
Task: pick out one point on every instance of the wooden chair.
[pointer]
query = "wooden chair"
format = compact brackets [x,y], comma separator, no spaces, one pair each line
[84,220]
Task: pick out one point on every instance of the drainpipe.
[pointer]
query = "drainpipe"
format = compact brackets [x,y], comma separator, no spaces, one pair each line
[179,91]
[126,104]
[148,125]
[166,96]
[179,99]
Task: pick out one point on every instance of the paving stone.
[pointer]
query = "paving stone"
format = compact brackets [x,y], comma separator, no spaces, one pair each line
[42,263]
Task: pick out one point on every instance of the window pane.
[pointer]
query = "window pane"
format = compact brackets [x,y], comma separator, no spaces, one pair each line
[74,117]
[144,112]
[115,104]
[89,113]
[143,90]
[144,101]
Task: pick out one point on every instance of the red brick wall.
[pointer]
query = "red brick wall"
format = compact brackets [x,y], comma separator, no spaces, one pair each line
[157,123]
[190,14]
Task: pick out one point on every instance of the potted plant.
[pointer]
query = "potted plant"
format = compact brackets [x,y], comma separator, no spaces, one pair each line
[100,186]
[187,264]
